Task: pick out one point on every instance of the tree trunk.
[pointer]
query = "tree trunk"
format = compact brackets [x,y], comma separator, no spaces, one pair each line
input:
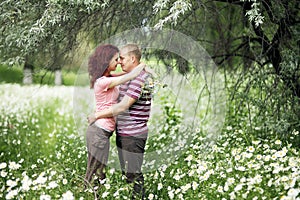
[58,77]
[28,74]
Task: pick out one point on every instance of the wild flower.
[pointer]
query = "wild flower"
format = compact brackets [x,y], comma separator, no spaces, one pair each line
[52,185]
[41,179]
[105,194]
[159,186]
[116,194]
[14,166]
[177,177]
[33,166]
[26,183]
[185,188]
[230,181]
[280,154]
[240,168]
[194,185]
[11,194]
[237,157]
[251,149]
[278,142]
[171,194]
[11,183]
[232,195]
[189,158]
[247,155]
[68,196]
[274,157]
[256,142]
[3,174]
[3,165]
[226,187]
[45,197]
[284,178]
[258,156]
[180,196]
[293,193]
[107,186]
[220,189]
[191,173]
[65,181]
[151,196]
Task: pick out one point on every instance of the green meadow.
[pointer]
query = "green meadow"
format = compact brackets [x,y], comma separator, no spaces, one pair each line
[43,153]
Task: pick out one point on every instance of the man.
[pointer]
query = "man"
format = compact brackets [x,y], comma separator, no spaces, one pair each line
[133,111]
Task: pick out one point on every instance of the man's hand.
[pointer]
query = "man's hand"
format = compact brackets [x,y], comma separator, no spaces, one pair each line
[91,118]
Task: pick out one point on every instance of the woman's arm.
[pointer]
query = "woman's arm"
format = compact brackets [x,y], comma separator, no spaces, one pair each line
[126,77]
[113,110]
[115,74]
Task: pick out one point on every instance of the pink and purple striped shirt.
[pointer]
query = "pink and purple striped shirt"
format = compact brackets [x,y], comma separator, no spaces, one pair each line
[134,120]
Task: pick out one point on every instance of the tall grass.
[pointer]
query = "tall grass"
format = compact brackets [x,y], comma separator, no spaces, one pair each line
[43,156]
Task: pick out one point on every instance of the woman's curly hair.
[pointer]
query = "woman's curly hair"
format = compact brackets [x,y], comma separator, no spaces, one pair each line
[99,61]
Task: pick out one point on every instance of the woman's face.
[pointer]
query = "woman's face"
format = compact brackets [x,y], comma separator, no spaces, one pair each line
[113,63]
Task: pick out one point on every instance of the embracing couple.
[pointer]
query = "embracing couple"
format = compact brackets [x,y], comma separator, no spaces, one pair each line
[123,102]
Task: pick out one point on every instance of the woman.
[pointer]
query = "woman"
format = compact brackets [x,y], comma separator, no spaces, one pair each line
[101,63]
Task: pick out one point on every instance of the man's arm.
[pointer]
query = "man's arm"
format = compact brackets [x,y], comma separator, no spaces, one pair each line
[113,110]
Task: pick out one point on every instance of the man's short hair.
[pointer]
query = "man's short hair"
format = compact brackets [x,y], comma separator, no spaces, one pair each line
[133,49]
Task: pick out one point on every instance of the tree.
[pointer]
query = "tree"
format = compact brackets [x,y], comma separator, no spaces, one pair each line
[258,42]
[262,33]
[242,36]
[45,27]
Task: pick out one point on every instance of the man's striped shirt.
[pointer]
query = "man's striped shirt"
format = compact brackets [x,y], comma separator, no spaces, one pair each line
[134,120]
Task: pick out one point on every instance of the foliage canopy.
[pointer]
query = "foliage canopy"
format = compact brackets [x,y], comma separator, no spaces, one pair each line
[256,42]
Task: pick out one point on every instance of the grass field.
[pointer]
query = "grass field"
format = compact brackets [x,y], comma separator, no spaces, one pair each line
[43,154]
[14,74]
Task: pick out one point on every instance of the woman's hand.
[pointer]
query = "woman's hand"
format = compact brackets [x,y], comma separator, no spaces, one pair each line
[141,66]
[147,69]
[151,71]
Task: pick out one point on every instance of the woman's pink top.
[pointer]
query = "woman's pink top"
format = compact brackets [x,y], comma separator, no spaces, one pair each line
[105,97]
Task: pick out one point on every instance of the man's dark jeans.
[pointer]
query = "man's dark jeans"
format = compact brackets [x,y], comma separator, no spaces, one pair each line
[131,154]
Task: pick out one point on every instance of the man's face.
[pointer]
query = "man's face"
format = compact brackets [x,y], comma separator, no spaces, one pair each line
[125,61]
